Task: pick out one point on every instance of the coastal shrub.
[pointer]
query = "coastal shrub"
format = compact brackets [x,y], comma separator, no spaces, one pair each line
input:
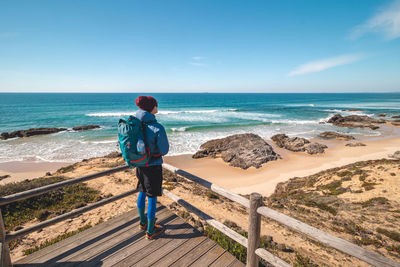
[321,206]
[227,243]
[46,205]
[302,261]
[368,186]
[344,173]
[375,201]
[55,240]
[334,188]
[66,169]
[211,195]
[391,234]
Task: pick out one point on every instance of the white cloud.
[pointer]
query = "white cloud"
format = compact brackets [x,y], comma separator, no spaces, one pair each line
[197,64]
[320,65]
[197,58]
[386,22]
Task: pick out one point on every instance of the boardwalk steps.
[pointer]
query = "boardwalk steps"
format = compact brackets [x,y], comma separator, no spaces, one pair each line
[120,242]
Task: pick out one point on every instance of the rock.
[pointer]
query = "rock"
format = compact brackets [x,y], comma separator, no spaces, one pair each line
[86,127]
[382,115]
[355,144]
[396,123]
[297,144]
[334,135]
[113,155]
[396,155]
[4,177]
[315,148]
[30,132]
[396,117]
[354,121]
[240,150]
[48,173]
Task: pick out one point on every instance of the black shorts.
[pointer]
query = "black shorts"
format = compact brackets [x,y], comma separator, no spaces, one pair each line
[150,180]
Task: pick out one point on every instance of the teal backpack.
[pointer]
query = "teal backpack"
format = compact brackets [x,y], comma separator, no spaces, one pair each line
[129,133]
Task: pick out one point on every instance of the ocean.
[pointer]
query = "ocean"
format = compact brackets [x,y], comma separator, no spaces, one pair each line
[190,119]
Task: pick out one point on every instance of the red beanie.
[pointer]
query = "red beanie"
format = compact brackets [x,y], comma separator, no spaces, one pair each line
[146,102]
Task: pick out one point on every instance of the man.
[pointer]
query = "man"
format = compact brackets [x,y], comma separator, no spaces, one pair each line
[150,178]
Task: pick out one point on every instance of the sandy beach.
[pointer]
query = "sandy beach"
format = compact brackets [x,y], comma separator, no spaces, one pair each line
[292,164]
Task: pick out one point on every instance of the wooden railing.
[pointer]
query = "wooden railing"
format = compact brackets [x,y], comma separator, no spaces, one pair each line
[255,213]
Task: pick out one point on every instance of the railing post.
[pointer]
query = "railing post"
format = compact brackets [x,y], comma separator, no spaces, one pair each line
[254,230]
[5,258]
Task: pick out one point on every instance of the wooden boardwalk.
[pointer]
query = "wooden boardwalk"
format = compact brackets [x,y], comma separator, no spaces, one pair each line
[120,242]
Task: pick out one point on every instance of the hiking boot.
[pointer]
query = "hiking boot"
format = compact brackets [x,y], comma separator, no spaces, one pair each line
[158,230]
[143,227]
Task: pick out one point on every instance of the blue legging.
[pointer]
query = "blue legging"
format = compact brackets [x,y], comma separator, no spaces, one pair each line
[151,209]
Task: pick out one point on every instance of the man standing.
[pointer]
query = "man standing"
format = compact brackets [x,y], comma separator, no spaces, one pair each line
[150,178]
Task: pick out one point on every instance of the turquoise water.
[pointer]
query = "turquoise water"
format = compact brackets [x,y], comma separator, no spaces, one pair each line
[190,119]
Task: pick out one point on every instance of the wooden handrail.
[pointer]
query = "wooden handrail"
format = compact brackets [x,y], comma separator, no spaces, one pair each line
[44,189]
[323,237]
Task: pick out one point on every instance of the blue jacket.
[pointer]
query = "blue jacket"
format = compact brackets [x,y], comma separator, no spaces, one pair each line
[155,136]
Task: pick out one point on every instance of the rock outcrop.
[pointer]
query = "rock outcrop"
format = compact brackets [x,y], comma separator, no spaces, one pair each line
[396,155]
[354,121]
[30,132]
[86,127]
[355,144]
[352,109]
[298,144]
[382,115]
[335,135]
[240,150]
[396,117]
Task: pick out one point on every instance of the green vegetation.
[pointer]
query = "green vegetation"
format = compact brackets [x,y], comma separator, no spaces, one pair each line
[66,169]
[302,261]
[391,234]
[55,240]
[321,206]
[42,207]
[211,195]
[368,186]
[375,201]
[335,188]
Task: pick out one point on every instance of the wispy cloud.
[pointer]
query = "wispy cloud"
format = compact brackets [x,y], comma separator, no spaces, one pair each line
[197,61]
[197,64]
[324,64]
[385,22]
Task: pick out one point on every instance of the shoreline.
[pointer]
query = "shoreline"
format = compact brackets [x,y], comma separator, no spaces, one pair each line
[262,180]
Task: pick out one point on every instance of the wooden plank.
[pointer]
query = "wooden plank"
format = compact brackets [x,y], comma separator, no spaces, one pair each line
[271,258]
[370,257]
[68,215]
[131,249]
[210,220]
[177,240]
[209,257]
[236,263]
[156,247]
[84,236]
[112,243]
[194,254]
[64,253]
[215,188]
[224,260]
[180,251]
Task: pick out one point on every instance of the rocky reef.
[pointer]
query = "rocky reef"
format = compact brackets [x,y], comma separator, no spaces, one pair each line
[240,150]
[298,144]
[42,131]
[354,121]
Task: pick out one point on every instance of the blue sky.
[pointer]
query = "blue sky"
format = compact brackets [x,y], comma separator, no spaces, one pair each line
[200,46]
